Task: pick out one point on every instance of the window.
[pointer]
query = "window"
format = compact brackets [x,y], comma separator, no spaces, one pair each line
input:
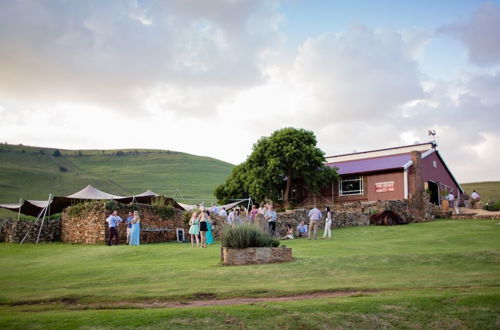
[434,164]
[351,186]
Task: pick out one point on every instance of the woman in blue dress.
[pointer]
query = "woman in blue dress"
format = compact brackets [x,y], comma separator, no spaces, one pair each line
[135,232]
[210,236]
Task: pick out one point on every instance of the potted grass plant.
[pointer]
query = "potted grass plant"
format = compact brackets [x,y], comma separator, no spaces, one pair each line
[249,244]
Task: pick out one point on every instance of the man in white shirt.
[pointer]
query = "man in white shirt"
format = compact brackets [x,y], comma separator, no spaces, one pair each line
[453,202]
[314,218]
[223,213]
[214,210]
[474,198]
[113,221]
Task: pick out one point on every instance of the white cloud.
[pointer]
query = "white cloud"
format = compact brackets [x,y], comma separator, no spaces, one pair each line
[102,53]
[210,79]
[480,34]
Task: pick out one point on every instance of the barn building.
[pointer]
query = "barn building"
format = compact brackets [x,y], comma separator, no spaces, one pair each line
[391,174]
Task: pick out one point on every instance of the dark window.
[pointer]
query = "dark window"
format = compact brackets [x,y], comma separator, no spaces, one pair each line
[351,186]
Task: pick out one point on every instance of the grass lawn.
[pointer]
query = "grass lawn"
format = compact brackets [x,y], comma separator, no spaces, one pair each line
[438,274]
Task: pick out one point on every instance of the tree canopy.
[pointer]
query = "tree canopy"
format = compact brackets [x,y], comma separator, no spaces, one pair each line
[287,157]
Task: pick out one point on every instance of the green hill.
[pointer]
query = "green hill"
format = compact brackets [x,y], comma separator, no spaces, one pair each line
[489,191]
[33,172]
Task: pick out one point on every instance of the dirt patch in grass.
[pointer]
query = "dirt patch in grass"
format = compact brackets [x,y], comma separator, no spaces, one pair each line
[206,301]
[210,299]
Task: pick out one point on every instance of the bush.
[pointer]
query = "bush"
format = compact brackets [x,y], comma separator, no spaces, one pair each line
[56,153]
[111,205]
[164,212]
[495,206]
[245,236]
[187,217]
[63,169]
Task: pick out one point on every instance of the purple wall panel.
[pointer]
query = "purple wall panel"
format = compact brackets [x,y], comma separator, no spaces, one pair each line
[437,174]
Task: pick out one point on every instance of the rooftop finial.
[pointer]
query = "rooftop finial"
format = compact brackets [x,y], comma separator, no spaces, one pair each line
[432,135]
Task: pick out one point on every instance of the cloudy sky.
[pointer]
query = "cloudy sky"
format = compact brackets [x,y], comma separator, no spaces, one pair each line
[211,77]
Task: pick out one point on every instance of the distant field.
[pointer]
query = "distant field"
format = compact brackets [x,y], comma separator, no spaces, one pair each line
[33,173]
[487,190]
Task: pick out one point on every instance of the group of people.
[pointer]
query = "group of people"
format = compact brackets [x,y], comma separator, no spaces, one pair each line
[454,203]
[264,215]
[200,228]
[133,223]
[303,230]
[200,224]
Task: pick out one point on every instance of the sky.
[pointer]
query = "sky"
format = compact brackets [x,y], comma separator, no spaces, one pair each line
[211,77]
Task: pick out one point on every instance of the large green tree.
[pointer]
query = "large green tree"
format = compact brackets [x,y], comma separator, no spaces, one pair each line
[288,156]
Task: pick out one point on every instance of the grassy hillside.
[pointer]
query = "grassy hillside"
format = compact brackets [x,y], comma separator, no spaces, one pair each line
[33,173]
[487,190]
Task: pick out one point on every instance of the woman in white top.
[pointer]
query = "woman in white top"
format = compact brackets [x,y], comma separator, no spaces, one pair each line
[328,223]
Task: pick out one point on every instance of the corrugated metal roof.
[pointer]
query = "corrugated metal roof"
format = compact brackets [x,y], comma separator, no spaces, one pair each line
[372,164]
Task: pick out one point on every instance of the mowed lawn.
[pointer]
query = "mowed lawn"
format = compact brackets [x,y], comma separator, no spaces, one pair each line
[440,274]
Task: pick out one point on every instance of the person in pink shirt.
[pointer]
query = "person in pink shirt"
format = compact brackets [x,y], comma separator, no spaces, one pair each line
[253,213]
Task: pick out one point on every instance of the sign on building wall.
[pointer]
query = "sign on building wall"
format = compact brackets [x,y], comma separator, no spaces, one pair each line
[381,187]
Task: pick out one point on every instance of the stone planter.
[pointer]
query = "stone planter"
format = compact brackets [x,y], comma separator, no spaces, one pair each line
[260,255]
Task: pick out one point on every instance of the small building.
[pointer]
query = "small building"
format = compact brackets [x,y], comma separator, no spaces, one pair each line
[391,174]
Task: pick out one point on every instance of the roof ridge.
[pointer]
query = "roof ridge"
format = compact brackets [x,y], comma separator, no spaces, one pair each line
[433,145]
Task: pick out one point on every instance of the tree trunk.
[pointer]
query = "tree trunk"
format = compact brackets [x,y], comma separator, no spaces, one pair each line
[286,194]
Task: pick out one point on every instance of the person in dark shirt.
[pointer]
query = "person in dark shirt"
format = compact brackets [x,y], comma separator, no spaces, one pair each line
[128,221]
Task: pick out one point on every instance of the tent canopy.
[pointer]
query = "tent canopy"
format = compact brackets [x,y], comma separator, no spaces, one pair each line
[59,203]
[90,192]
[189,207]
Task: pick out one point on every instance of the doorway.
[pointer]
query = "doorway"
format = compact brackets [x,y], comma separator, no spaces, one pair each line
[434,191]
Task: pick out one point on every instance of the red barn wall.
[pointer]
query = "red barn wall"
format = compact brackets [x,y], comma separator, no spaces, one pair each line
[437,174]
[396,177]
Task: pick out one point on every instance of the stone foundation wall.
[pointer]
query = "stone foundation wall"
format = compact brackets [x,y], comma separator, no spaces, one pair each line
[89,225]
[13,231]
[262,255]
[358,213]
[342,218]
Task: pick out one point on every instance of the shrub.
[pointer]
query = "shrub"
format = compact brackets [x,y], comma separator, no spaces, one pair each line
[63,169]
[111,205]
[187,217]
[56,153]
[165,212]
[245,236]
[495,206]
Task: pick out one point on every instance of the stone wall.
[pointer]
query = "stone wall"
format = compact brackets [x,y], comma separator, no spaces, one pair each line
[358,213]
[13,231]
[88,226]
[341,218]
[261,255]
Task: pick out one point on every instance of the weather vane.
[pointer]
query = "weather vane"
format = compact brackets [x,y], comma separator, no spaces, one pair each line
[432,134]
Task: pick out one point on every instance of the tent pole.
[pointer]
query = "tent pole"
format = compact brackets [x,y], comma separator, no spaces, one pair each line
[43,219]
[31,226]
[19,212]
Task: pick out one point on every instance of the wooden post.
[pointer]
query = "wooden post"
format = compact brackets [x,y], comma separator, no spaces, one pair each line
[19,212]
